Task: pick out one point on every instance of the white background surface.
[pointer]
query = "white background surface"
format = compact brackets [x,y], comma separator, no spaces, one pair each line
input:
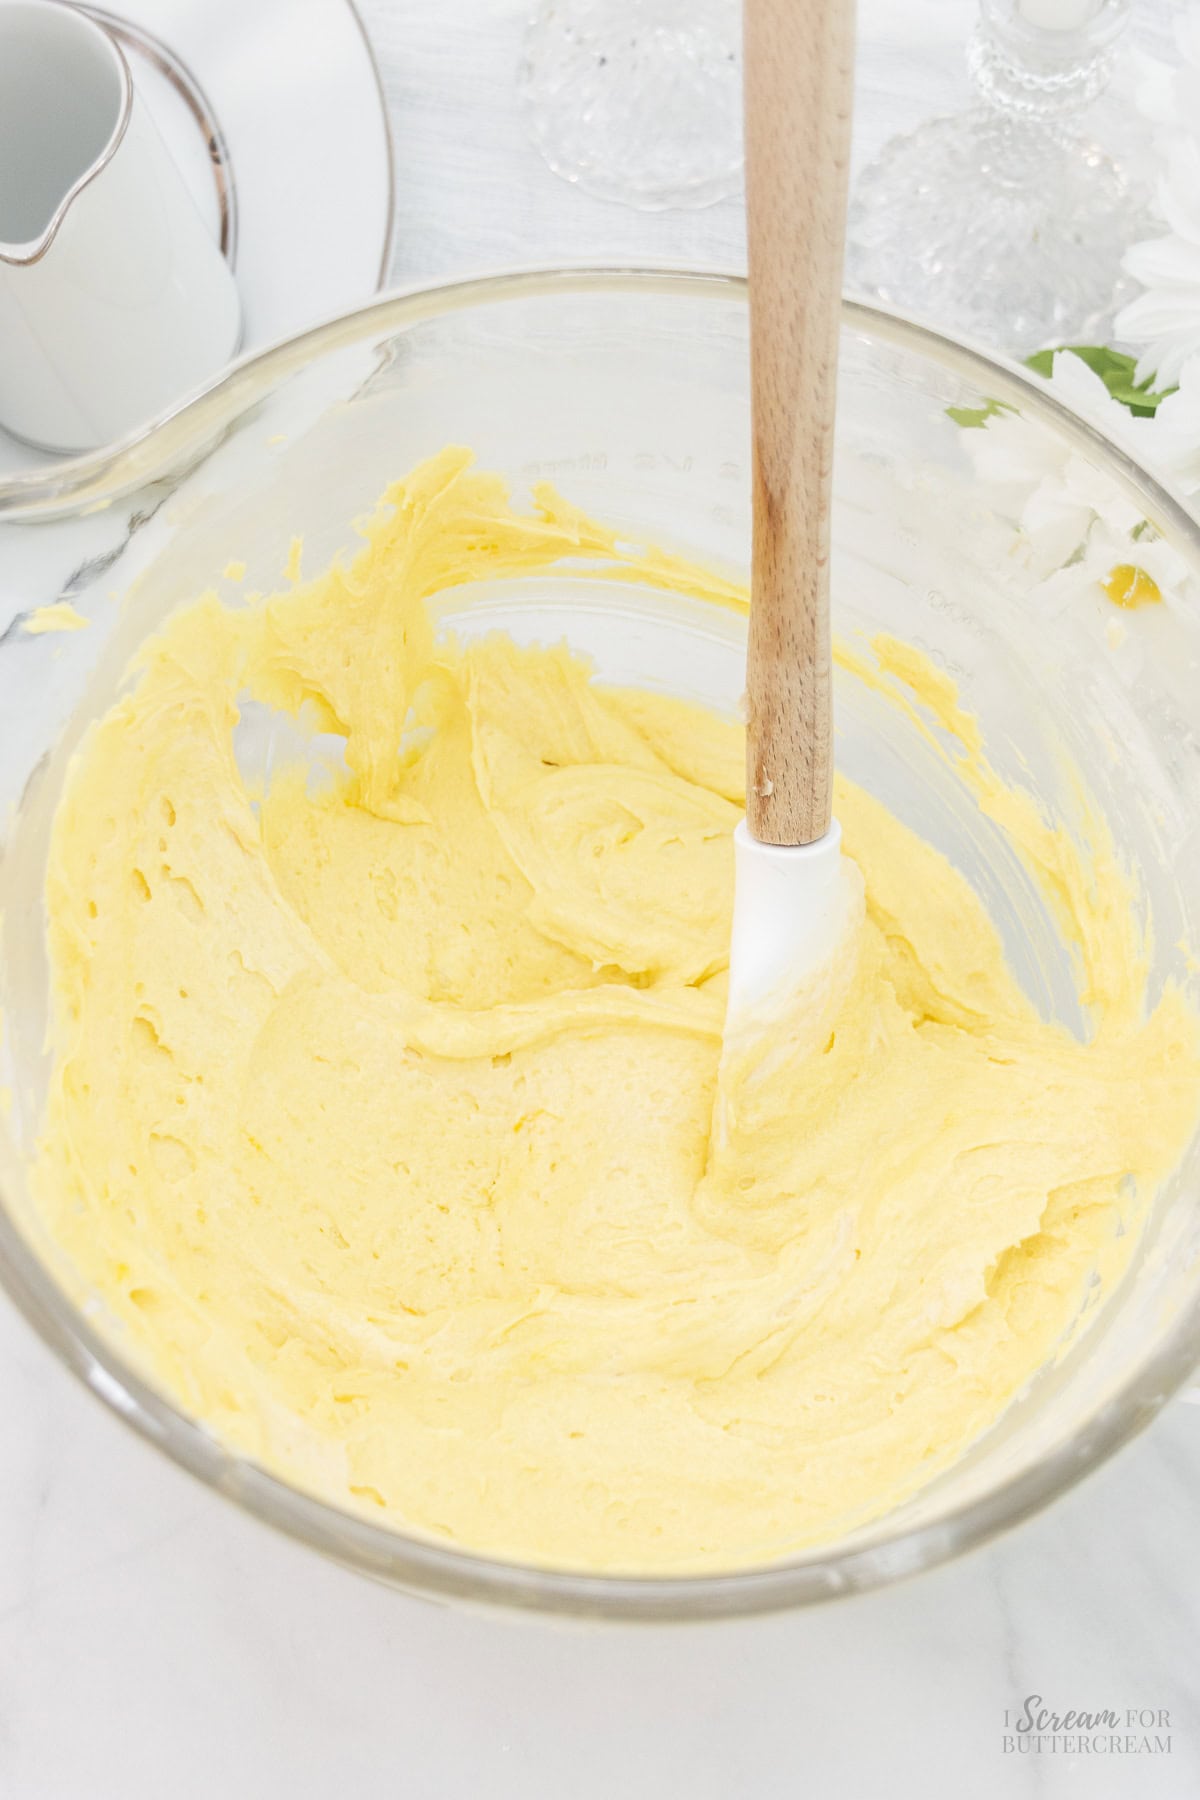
[157,1645]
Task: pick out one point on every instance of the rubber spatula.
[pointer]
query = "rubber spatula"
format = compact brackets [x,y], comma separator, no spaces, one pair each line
[796,895]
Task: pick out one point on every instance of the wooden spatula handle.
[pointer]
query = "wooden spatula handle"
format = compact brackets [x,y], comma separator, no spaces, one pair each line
[799,72]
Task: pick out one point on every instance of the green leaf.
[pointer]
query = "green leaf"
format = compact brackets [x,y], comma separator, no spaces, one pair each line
[1116,370]
[971,417]
[1042,362]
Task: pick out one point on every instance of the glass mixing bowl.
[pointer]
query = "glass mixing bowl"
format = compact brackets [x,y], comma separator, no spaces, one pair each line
[629,391]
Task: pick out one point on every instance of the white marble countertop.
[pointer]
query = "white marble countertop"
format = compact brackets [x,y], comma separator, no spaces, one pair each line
[155,1644]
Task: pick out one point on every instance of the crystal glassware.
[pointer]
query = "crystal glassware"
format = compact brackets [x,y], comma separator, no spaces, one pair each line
[1008,222]
[639,103]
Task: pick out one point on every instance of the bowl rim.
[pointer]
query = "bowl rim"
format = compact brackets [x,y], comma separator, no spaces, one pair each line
[420,1565]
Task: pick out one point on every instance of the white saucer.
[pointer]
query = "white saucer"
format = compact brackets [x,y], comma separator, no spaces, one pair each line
[275,114]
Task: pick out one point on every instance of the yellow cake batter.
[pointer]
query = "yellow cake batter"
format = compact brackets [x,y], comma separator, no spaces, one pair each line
[381,1113]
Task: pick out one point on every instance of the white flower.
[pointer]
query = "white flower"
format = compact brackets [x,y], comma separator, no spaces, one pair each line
[1110,560]
[1166,94]
[1051,490]
[1171,444]
[1076,523]
[1164,322]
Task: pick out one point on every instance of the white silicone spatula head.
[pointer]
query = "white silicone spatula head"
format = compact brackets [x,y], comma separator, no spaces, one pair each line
[796,896]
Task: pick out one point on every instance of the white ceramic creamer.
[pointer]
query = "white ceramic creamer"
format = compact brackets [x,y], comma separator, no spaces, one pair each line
[114,298]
